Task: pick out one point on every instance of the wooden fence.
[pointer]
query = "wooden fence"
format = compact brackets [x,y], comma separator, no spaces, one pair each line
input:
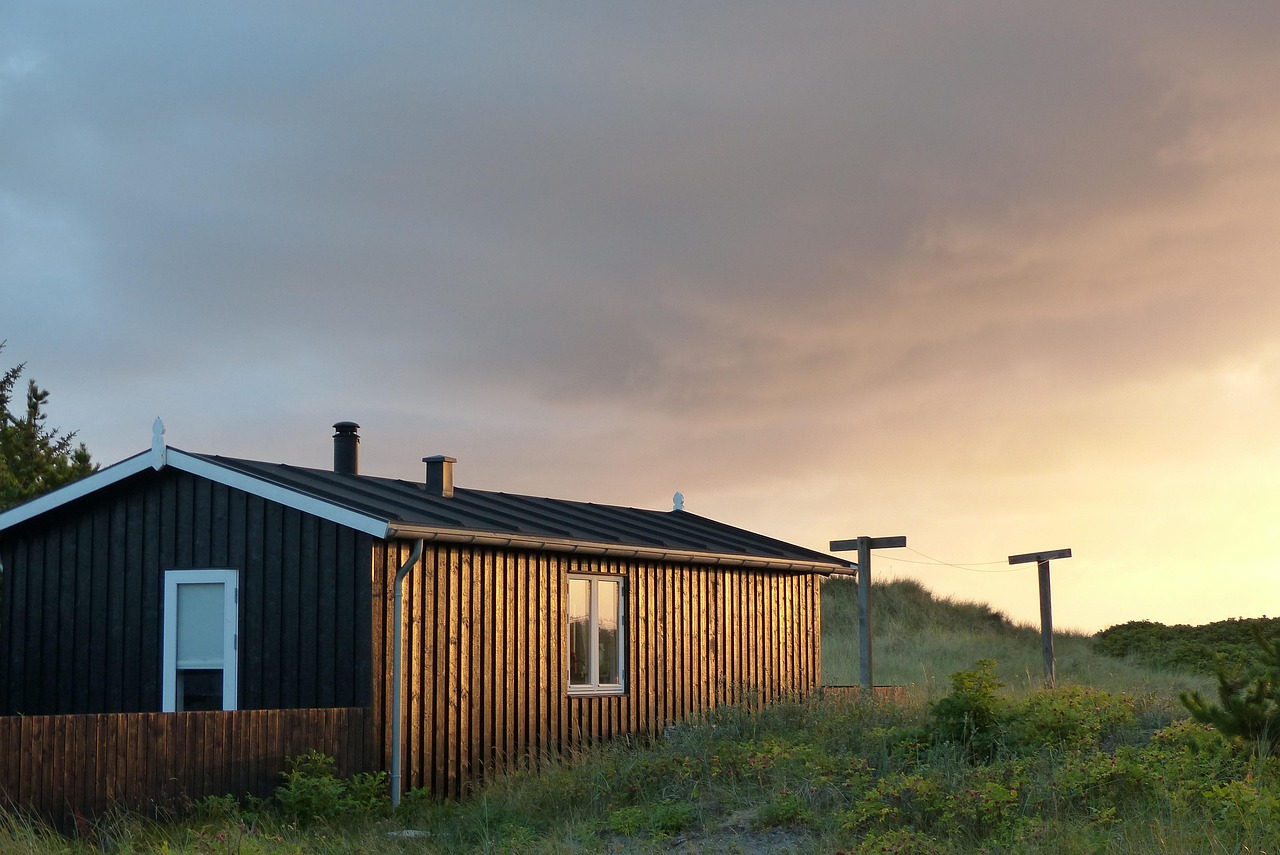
[885,694]
[63,766]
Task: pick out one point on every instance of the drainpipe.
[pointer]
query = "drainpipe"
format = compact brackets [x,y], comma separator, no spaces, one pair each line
[397,666]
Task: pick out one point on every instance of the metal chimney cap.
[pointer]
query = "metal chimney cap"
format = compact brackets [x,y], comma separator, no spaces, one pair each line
[439,475]
[346,448]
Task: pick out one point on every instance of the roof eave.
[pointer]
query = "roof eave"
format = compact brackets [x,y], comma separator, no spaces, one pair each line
[195,465]
[409,531]
[76,489]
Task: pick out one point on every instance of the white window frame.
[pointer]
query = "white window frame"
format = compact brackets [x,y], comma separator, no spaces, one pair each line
[229,579]
[595,687]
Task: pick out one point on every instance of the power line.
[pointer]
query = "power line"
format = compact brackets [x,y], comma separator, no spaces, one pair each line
[973,567]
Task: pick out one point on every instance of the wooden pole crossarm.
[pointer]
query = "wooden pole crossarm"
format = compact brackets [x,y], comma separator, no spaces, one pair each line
[1041,560]
[864,545]
[1037,557]
[872,542]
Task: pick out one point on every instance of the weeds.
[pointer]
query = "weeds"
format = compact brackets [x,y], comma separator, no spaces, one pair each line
[985,760]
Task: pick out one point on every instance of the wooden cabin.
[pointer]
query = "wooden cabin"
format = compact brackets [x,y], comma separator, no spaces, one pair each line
[179,582]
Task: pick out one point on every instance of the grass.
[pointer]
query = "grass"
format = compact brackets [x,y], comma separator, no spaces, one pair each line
[1106,763]
[919,639]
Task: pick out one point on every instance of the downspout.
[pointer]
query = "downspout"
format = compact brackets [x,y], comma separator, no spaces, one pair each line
[397,666]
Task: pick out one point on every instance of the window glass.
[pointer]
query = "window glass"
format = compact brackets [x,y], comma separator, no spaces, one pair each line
[607,601]
[200,627]
[200,689]
[579,632]
[595,612]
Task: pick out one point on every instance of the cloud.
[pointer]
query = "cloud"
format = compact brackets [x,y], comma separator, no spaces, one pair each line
[922,254]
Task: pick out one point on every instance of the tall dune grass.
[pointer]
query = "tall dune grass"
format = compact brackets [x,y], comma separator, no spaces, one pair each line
[918,639]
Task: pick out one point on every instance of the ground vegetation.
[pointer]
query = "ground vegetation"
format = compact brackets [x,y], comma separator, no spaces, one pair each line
[984,758]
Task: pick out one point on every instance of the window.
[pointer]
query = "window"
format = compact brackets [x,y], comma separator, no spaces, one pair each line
[595,635]
[201,609]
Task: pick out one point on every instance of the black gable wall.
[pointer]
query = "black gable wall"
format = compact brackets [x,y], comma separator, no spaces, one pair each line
[81,622]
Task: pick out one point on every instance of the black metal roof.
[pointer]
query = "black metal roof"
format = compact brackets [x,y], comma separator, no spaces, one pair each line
[407,504]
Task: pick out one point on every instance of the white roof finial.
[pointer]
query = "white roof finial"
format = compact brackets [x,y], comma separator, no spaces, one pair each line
[677,501]
[157,445]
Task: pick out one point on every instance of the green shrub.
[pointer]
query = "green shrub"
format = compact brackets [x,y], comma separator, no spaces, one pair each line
[903,800]
[1249,698]
[972,714]
[660,819]
[784,810]
[513,837]
[667,818]
[312,792]
[1188,758]
[653,775]
[901,841]
[627,821]
[1068,717]
[987,803]
[1249,809]
[1191,648]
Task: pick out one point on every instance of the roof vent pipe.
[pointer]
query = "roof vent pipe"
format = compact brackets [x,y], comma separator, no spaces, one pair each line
[440,475]
[346,448]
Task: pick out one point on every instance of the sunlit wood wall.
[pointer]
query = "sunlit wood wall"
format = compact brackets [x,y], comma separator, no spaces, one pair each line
[485,686]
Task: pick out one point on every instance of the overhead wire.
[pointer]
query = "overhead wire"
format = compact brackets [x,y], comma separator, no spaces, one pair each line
[972,567]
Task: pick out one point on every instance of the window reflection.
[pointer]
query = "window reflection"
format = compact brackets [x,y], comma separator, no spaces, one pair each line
[595,633]
[579,632]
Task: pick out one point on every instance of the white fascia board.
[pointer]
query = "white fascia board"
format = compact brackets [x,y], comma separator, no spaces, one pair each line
[180,460]
[374,526]
[76,489]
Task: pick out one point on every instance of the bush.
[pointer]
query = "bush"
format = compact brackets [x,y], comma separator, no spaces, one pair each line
[971,714]
[1188,648]
[785,810]
[312,792]
[662,819]
[1070,717]
[1249,707]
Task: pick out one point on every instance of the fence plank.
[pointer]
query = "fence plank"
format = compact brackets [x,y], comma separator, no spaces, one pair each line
[57,767]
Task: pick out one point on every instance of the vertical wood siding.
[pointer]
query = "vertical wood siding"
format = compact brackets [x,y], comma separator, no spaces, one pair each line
[80,613]
[485,684]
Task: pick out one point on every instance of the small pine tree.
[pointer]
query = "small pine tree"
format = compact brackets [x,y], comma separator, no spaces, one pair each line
[34,458]
[972,714]
[1249,699]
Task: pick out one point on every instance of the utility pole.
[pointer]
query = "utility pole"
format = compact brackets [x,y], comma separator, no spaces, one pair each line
[864,545]
[1042,560]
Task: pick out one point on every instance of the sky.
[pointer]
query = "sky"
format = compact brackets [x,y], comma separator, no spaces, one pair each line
[1000,277]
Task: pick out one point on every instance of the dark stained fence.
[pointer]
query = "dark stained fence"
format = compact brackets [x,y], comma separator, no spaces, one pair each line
[61,767]
[486,668]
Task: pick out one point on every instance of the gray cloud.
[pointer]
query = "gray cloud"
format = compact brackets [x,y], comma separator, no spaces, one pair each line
[919,237]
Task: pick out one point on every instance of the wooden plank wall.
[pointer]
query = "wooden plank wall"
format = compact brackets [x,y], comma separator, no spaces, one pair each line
[81,613]
[485,688]
[58,767]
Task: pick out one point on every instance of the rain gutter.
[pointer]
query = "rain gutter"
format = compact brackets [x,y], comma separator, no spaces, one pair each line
[649,553]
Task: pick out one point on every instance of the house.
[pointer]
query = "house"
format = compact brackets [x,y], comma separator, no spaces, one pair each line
[181,582]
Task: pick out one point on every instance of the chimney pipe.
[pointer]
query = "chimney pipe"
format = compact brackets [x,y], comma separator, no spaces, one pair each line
[346,448]
[440,475]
